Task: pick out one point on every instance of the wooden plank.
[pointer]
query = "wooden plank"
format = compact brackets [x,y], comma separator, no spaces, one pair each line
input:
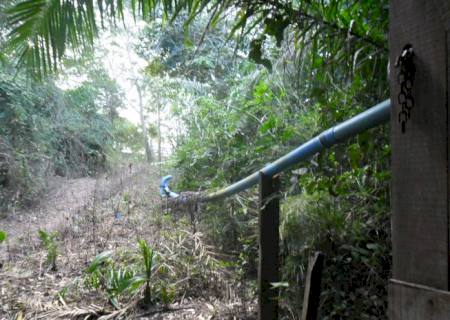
[420,190]
[268,270]
[311,297]
[448,135]
[417,302]
[443,6]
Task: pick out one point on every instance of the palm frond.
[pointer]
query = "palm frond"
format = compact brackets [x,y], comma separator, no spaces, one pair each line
[42,30]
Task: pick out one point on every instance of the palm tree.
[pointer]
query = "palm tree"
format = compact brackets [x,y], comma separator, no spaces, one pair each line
[40,31]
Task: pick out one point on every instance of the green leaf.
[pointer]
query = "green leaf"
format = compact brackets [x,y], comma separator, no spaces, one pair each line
[256,53]
[2,236]
[98,260]
[114,302]
[269,124]
[44,236]
[372,246]
[354,154]
[275,27]
[276,285]
[42,30]
[147,254]
[136,282]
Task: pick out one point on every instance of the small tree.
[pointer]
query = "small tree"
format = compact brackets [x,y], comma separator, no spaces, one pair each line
[49,242]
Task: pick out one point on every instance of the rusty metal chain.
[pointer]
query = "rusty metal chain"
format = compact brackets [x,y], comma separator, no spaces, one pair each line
[405,78]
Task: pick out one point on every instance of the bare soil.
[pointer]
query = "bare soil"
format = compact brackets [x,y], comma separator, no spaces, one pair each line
[84,212]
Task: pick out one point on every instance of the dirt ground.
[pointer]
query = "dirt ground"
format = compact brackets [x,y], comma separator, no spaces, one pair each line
[91,215]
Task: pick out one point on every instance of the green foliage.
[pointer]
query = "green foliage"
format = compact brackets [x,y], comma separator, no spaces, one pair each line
[167,53]
[99,260]
[126,136]
[352,229]
[46,131]
[256,53]
[49,240]
[148,264]
[117,280]
[327,70]
[43,30]
[22,134]
[2,236]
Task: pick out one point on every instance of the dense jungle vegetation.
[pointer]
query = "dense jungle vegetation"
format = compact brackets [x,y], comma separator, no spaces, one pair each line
[227,87]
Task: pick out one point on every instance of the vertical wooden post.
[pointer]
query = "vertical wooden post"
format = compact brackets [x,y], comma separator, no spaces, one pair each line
[420,164]
[268,271]
[311,297]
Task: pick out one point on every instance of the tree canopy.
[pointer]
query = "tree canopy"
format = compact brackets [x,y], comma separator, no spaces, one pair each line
[40,32]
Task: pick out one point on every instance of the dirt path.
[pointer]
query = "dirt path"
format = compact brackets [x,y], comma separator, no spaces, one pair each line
[82,211]
[67,197]
[84,214]
[64,196]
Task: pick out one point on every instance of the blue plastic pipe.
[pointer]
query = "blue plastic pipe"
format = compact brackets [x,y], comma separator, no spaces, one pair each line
[164,189]
[368,119]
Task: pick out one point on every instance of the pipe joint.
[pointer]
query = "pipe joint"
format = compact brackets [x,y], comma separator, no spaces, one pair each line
[327,138]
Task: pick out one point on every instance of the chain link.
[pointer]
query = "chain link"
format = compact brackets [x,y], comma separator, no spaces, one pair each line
[405,78]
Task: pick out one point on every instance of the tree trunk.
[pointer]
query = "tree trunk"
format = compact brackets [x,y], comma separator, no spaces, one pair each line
[159,133]
[148,147]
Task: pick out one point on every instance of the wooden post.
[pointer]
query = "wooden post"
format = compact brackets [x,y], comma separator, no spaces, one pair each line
[311,297]
[420,161]
[268,271]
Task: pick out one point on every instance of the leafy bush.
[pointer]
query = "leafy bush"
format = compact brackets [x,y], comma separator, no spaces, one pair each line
[45,131]
[338,201]
[356,242]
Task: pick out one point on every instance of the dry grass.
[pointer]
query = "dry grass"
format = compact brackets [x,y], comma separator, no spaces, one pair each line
[83,212]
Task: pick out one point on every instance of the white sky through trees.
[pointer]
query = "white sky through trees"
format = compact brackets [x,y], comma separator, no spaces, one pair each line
[114,49]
